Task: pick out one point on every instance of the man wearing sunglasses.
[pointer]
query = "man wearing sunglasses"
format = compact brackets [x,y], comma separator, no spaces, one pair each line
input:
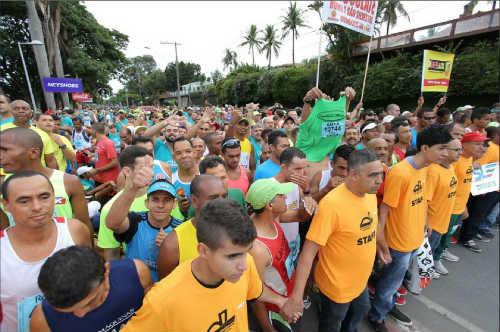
[425,117]
[238,176]
[143,232]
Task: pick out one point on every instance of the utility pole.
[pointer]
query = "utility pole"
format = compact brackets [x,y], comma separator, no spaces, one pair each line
[176,70]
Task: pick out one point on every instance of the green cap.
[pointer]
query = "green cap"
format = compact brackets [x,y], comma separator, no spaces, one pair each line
[263,191]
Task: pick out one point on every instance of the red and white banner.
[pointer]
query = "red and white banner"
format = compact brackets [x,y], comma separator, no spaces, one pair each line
[81,97]
[355,15]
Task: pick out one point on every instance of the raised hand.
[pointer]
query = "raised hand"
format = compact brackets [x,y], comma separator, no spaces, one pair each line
[142,174]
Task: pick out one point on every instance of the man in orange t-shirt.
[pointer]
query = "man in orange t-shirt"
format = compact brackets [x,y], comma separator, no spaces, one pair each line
[402,221]
[440,194]
[344,240]
[478,206]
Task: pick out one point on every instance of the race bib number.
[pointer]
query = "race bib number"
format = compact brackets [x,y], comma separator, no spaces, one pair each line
[334,128]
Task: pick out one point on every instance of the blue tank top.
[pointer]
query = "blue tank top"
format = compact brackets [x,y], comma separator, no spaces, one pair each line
[163,153]
[140,239]
[124,299]
[178,184]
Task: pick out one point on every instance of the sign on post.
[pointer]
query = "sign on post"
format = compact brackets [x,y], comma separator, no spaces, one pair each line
[81,97]
[354,15]
[485,179]
[60,84]
[436,71]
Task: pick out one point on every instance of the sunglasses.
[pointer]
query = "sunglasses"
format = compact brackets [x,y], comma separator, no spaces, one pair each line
[231,143]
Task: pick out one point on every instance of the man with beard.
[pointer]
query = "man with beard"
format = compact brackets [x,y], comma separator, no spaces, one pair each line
[351,136]
[164,149]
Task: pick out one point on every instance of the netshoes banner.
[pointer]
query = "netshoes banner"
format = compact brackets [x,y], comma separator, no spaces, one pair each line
[436,71]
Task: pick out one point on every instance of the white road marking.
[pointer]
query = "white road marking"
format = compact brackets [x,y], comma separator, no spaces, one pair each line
[448,314]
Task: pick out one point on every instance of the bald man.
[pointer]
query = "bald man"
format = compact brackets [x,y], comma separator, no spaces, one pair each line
[20,150]
[22,113]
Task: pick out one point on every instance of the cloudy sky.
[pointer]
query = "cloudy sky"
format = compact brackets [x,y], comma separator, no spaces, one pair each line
[206,28]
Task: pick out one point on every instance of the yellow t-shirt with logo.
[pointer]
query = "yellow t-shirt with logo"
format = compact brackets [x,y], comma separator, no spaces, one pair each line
[59,153]
[440,192]
[347,237]
[180,303]
[491,155]
[464,172]
[404,193]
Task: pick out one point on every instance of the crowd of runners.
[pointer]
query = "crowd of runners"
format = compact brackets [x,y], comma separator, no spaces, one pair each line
[227,218]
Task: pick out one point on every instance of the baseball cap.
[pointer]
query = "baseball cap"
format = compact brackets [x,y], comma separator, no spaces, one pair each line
[406,113]
[82,170]
[161,185]
[387,119]
[474,136]
[371,125]
[263,191]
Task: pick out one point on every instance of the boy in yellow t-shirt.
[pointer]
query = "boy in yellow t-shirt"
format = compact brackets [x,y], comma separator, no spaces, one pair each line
[402,221]
[440,194]
[345,241]
[209,292]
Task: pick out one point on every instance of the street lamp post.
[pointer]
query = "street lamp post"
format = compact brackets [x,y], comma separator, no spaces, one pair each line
[176,70]
[34,43]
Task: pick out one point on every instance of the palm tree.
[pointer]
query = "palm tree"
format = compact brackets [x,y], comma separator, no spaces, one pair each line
[316,6]
[389,10]
[291,22]
[270,43]
[230,59]
[251,39]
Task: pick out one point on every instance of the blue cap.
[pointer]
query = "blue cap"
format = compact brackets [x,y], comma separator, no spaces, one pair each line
[161,185]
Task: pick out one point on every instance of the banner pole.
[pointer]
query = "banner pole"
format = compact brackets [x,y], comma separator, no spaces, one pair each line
[319,56]
[366,67]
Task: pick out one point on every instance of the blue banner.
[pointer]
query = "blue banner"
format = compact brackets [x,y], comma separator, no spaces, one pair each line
[60,84]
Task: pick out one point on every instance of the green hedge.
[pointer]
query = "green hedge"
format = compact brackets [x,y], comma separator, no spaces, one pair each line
[475,74]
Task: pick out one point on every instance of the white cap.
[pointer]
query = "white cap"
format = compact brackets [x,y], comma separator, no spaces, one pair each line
[93,208]
[83,169]
[406,113]
[371,125]
[468,107]
[387,119]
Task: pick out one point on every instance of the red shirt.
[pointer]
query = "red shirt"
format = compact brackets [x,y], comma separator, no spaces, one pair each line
[398,152]
[105,152]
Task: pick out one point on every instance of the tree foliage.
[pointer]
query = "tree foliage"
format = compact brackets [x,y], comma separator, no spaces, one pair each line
[270,43]
[475,73]
[89,50]
[292,21]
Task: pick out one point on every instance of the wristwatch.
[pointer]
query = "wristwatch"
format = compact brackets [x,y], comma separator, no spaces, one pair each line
[63,146]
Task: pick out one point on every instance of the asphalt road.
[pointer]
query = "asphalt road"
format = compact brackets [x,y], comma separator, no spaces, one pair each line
[466,300]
